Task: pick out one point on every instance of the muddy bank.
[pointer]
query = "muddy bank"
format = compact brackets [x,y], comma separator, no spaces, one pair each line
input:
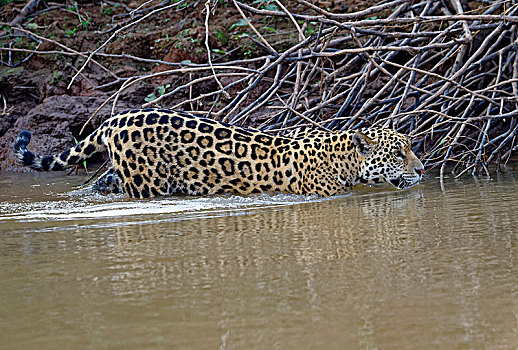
[277,66]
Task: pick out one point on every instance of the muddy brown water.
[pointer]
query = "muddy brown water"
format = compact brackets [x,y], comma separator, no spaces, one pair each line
[427,267]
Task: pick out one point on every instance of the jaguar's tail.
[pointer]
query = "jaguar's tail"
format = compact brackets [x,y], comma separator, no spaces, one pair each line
[72,156]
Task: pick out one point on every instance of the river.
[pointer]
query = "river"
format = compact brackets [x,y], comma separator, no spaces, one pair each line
[429,267]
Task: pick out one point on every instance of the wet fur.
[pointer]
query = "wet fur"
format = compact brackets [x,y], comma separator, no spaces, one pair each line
[157,152]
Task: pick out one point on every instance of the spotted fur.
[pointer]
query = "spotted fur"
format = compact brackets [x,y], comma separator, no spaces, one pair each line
[157,152]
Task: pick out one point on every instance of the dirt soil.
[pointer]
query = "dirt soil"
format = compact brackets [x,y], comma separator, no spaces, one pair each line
[33,87]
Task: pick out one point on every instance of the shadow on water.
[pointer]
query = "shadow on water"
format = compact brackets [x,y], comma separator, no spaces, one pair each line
[378,268]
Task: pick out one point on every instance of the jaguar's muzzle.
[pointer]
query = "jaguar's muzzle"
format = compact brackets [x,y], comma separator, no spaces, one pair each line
[405,181]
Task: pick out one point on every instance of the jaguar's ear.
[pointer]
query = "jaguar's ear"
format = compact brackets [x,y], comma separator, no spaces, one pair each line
[363,143]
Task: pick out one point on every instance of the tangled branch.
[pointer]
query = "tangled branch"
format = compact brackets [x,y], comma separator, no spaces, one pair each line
[445,74]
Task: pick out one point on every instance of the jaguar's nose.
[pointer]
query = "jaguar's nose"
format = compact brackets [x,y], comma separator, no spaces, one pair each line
[419,171]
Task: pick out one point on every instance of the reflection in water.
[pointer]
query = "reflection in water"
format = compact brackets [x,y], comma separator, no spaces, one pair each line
[377,269]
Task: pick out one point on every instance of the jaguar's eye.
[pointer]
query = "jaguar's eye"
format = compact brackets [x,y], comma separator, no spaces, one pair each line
[399,155]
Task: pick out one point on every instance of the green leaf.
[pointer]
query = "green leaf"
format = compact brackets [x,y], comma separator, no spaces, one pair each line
[271,7]
[85,23]
[150,98]
[240,23]
[107,11]
[269,29]
[70,32]
[310,30]
[161,89]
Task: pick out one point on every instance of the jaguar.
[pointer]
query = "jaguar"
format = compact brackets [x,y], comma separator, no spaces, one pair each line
[156,152]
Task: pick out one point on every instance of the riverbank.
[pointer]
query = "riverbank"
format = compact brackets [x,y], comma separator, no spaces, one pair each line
[444,73]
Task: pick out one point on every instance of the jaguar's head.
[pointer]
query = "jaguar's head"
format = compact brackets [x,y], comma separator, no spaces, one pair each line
[386,156]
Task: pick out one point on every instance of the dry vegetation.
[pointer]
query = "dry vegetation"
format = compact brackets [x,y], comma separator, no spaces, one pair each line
[444,72]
